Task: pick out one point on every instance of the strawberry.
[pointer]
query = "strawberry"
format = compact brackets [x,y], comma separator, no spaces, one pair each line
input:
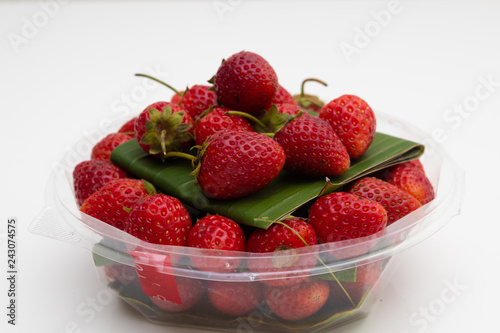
[217,120]
[197,99]
[234,298]
[234,164]
[159,219]
[163,127]
[273,119]
[90,176]
[354,122]
[312,148]
[281,236]
[128,127]
[190,292]
[176,98]
[288,108]
[397,203]
[411,177]
[246,82]
[339,216]
[278,238]
[218,233]
[112,202]
[366,276]
[414,164]
[298,301]
[283,96]
[102,150]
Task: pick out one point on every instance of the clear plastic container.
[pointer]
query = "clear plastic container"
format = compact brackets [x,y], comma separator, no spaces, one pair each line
[162,284]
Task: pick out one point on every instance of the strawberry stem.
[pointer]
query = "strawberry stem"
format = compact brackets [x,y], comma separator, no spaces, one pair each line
[160,81]
[203,114]
[162,141]
[247,116]
[181,155]
[308,80]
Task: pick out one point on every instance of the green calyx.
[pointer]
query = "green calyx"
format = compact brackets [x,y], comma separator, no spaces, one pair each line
[150,188]
[269,123]
[165,132]
[195,160]
[273,120]
[309,102]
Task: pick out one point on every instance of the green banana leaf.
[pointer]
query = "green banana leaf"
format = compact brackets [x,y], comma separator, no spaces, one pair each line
[282,197]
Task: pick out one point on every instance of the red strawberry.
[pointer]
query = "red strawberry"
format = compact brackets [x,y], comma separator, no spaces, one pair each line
[128,127]
[235,164]
[218,233]
[298,301]
[411,177]
[190,292]
[283,96]
[312,148]
[278,238]
[366,276]
[90,176]
[102,150]
[246,82]
[198,99]
[414,164]
[354,122]
[282,236]
[159,219]
[397,203]
[217,120]
[112,202]
[163,127]
[177,97]
[288,108]
[339,216]
[234,298]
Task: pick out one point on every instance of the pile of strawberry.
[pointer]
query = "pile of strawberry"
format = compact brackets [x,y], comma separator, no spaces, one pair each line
[246,128]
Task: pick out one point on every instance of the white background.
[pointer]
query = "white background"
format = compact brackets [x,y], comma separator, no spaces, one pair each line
[64,67]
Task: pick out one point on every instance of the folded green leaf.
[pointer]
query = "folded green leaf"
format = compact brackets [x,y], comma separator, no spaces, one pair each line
[280,198]
[110,254]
